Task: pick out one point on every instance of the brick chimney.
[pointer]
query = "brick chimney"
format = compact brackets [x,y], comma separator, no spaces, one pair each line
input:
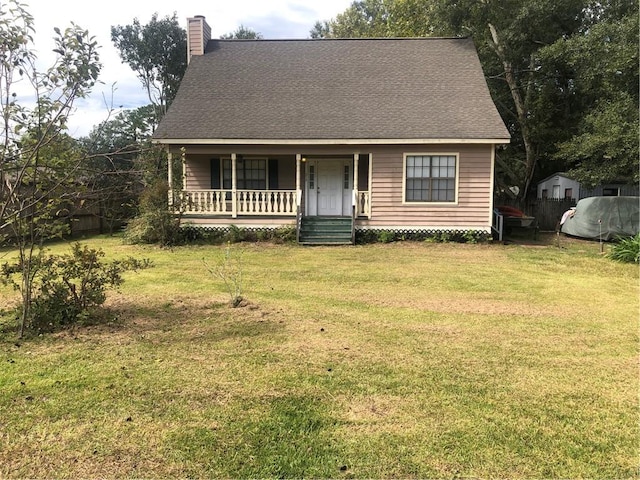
[198,34]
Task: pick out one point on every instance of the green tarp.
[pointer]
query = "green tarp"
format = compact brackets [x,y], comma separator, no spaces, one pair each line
[609,217]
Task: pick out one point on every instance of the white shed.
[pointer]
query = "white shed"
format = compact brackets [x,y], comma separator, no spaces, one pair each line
[559,186]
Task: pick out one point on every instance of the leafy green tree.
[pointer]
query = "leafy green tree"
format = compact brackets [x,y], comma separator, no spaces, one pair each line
[364,18]
[127,128]
[603,61]
[563,74]
[509,35]
[39,164]
[321,29]
[378,18]
[157,52]
[242,33]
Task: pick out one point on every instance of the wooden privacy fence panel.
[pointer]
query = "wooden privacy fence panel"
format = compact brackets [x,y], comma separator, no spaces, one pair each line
[547,211]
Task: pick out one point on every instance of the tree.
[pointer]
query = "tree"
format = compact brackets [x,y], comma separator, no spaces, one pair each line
[242,33]
[39,163]
[509,35]
[378,18]
[128,176]
[157,52]
[603,59]
[116,167]
[545,80]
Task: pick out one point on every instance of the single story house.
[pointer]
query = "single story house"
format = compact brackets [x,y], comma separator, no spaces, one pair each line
[384,134]
[560,185]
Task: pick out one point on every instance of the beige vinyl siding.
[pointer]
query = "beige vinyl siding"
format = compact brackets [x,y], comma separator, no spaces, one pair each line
[199,171]
[198,34]
[473,203]
[286,172]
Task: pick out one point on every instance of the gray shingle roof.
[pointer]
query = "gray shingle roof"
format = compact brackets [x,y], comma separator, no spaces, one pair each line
[367,89]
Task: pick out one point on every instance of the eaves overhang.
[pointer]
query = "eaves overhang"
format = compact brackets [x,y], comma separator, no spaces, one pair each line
[329,141]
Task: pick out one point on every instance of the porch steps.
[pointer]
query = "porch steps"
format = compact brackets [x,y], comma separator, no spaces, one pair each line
[326,231]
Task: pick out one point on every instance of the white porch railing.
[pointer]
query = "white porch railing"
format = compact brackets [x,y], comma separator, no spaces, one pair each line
[205,202]
[266,202]
[363,203]
[247,202]
[252,202]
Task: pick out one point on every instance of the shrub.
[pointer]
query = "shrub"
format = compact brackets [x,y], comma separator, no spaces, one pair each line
[263,235]
[66,288]
[285,235]
[235,234]
[441,237]
[386,236]
[626,250]
[191,234]
[153,227]
[279,235]
[364,237]
[474,236]
[155,223]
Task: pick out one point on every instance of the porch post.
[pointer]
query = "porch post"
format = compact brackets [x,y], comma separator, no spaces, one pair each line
[170,177]
[369,184]
[184,168]
[356,200]
[298,179]
[234,192]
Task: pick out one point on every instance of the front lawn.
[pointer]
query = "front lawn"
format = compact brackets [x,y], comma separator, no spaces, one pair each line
[402,360]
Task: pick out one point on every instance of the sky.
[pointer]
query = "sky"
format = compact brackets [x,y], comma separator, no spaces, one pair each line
[120,88]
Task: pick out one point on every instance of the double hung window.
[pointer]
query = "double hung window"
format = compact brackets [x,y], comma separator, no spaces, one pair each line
[430,178]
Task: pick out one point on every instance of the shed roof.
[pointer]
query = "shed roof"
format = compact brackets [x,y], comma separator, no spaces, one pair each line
[357,89]
[557,174]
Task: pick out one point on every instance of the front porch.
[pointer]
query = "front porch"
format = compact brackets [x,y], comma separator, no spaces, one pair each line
[323,186]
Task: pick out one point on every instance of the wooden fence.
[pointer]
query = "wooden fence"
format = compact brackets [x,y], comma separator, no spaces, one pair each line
[547,211]
[92,219]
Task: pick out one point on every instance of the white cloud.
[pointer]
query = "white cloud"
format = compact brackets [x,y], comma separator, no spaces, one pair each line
[273,18]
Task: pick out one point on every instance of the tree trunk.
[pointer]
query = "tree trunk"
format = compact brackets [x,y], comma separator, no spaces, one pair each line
[521,109]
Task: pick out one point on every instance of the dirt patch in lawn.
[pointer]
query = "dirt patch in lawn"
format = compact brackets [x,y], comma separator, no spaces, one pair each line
[469,304]
[124,318]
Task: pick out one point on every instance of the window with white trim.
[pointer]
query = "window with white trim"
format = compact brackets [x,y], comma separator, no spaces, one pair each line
[430,178]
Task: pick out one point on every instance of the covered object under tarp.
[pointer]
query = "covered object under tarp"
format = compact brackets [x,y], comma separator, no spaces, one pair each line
[620,217]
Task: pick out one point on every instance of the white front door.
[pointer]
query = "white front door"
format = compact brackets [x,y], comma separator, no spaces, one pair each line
[328,187]
[329,190]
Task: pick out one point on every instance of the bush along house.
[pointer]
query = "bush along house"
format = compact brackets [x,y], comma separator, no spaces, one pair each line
[333,136]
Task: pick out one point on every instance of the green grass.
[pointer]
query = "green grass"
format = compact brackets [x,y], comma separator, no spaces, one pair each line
[380,361]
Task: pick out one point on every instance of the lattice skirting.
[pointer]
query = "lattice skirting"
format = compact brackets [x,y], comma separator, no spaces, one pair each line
[363,235]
